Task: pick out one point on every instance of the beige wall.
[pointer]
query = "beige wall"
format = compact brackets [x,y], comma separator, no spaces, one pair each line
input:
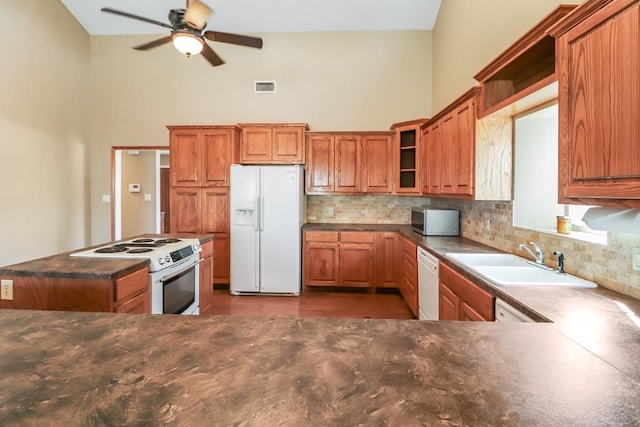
[43,120]
[470,33]
[138,215]
[333,81]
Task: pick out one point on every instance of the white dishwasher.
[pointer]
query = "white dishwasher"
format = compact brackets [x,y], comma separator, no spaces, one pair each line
[507,313]
[428,282]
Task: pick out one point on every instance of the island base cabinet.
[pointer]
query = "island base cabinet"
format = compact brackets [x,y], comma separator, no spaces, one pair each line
[127,294]
[460,299]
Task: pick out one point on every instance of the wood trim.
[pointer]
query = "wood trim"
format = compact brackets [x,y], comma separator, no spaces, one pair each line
[270,125]
[473,92]
[358,133]
[482,112]
[409,123]
[114,148]
[199,127]
[579,14]
[533,36]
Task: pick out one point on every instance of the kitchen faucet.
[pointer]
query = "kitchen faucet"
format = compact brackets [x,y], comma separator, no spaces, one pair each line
[560,256]
[538,256]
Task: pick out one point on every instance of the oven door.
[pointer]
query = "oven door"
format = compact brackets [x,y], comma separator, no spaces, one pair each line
[176,290]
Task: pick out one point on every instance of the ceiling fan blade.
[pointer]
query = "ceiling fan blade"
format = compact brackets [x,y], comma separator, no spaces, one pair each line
[139,18]
[154,43]
[210,55]
[217,36]
[196,15]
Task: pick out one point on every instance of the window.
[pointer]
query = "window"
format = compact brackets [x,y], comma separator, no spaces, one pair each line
[535,201]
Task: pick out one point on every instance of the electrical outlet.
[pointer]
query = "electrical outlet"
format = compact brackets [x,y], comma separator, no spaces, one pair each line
[330,211]
[7,290]
[636,259]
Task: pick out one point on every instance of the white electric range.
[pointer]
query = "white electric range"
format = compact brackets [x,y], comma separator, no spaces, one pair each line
[174,274]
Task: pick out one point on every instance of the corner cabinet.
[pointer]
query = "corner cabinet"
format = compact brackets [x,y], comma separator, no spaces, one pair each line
[599,103]
[406,156]
[463,157]
[200,160]
[275,143]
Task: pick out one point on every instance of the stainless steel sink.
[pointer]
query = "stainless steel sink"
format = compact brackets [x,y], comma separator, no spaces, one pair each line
[512,270]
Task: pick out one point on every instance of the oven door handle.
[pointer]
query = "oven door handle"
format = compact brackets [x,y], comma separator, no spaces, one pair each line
[177,273]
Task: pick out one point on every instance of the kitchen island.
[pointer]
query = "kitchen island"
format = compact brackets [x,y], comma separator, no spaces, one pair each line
[120,369]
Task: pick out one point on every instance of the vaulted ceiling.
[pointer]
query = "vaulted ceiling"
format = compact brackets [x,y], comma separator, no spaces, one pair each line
[263,16]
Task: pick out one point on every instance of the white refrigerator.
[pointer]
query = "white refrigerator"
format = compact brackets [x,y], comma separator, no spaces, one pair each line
[268,209]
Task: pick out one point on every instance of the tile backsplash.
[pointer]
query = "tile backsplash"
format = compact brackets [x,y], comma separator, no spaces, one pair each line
[490,223]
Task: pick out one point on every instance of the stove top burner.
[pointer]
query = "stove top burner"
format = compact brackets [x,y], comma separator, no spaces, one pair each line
[139,250]
[142,241]
[112,249]
[165,241]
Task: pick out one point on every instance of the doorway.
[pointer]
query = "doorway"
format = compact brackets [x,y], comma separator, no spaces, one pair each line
[140,191]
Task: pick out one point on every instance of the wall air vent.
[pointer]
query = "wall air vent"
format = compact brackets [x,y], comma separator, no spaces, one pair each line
[264,86]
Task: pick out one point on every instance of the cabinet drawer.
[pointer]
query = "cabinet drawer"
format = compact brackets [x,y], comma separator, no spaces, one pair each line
[321,236]
[356,237]
[131,285]
[409,248]
[476,298]
[207,249]
[138,304]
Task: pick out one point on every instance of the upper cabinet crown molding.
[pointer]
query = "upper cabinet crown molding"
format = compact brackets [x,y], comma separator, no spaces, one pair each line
[523,68]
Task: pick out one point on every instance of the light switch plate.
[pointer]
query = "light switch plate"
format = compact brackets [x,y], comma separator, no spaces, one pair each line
[636,259]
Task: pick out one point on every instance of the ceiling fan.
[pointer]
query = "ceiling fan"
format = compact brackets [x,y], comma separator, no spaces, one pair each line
[186,32]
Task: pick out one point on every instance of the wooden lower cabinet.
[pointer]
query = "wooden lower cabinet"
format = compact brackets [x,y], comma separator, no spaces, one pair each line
[356,259]
[126,294]
[321,258]
[461,299]
[206,278]
[409,279]
[332,258]
[387,247]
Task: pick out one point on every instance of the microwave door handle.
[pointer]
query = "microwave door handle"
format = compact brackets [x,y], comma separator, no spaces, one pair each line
[177,273]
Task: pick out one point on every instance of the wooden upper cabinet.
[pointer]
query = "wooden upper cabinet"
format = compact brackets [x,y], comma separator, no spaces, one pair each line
[448,156]
[288,145]
[377,162]
[599,104]
[465,142]
[280,143]
[406,156]
[320,163]
[348,163]
[201,155]
[185,159]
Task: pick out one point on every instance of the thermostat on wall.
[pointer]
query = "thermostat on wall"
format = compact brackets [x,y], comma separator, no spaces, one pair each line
[134,188]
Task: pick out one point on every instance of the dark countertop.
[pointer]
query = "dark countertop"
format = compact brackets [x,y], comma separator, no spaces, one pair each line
[595,318]
[65,266]
[60,368]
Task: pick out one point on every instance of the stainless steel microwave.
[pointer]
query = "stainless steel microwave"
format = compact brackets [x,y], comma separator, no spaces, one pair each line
[435,222]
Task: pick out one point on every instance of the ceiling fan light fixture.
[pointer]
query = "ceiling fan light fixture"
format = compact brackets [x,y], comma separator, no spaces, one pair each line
[187,43]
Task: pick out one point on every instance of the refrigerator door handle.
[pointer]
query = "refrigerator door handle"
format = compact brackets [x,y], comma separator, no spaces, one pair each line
[261,214]
[258,212]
